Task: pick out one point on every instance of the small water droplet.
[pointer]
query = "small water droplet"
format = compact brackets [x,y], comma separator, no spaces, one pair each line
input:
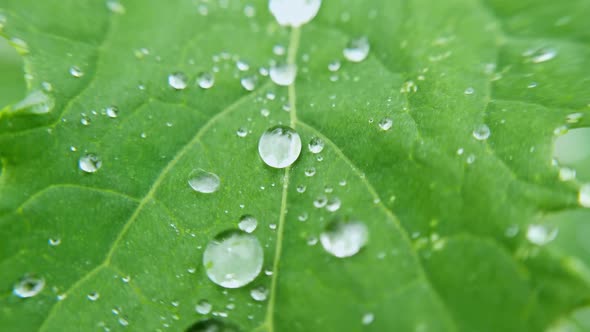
[249,83]
[283,74]
[334,66]
[265,112]
[303,216]
[248,223]
[115,6]
[316,145]
[203,181]
[312,241]
[272,226]
[93,296]
[368,318]
[567,174]
[279,146]
[54,242]
[584,195]
[469,91]
[28,286]
[320,202]
[279,50]
[203,307]
[541,234]
[177,81]
[333,204]
[385,124]
[357,49]
[481,132]
[511,231]
[112,111]
[294,12]
[141,53]
[259,293]
[301,188]
[249,11]
[123,322]
[75,71]
[574,117]
[310,171]
[233,259]
[242,132]
[90,163]
[205,80]
[543,55]
[242,65]
[344,238]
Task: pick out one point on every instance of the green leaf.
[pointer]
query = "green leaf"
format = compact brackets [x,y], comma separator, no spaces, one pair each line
[442,208]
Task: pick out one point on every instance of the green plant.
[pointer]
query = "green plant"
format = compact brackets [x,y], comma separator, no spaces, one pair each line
[438,145]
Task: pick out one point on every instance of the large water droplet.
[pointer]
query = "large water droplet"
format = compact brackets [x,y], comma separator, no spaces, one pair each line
[203,181]
[28,286]
[481,132]
[203,307]
[205,80]
[584,195]
[344,238]
[283,74]
[541,234]
[316,145]
[294,12]
[177,81]
[279,146]
[259,293]
[233,259]
[248,223]
[90,163]
[357,49]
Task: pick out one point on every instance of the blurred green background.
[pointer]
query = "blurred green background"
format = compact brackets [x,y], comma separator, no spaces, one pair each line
[12,82]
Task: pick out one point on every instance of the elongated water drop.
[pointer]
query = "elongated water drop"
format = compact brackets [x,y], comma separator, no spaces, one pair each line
[205,80]
[233,259]
[294,12]
[344,238]
[283,74]
[28,286]
[248,223]
[279,146]
[357,49]
[203,181]
[90,163]
[177,81]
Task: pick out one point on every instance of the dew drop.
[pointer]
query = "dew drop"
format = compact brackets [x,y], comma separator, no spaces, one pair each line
[112,111]
[567,174]
[259,293]
[481,132]
[242,132]
[90,163]
[316,145]
[294,12]
[320,202]
[368,318]
[334,66]
[205,80]
[248,83]
[279,50]
[85,120]
[303,216]
[310,171]
[265,112]
[357,49]
[115,7]
[233,259]
[279,146]
[249,11]
[574,117]
[54,242]
[76,72]
[177,81]
[203,307]
[242,65]
[344,238]
[333,204]
[93,296]
[469,91]
[584,195]
[541,234]
[203,181]
[543,54]
[301,188]
[28,286]
[283,74]
[385,124]
[248,223]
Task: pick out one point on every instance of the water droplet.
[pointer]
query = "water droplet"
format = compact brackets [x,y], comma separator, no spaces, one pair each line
[574,117]
[283,74]
[541,234]
[279,50]
[247,223]
[242,132]
[543,54]
[312,241]
[316,145]
[177,81]
[279,146]
[233,259]
[303,216]
[115,7]
[333,204]
[47,87]
[344,238]
[511,231]
[481,132]
[249,11]
[265,112]
[272,226]
[203,181]
[205,80]
[320,202]
[385,124]
[301,188]
[259,293]
[54,242]
[249,83]
[368,318]
[93,296]
[584,195]
[310,171]
[470,158]
[75,71]
[334,65]
[203,307]
[357,49]
[242,65]
[141,53]
[112,111]
[122,321]
[567,174]
[90,163]
[294,12]
[469,91]
[28,286]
